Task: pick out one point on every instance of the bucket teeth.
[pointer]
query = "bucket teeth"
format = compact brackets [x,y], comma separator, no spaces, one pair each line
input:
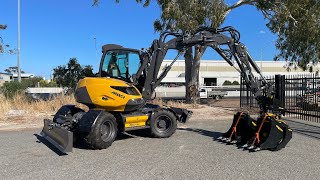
[219,138]
[245,146]
[251,147]
[233,142]
[257,149]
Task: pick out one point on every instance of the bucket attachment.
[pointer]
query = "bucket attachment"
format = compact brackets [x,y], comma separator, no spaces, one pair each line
[241,131]
[272,134]
[267,132]
[58,136]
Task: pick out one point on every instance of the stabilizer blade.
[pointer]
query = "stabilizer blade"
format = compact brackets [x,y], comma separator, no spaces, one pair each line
[59,137]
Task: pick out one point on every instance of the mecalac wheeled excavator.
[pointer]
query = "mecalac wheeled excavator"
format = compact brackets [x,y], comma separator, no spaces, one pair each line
[128,77]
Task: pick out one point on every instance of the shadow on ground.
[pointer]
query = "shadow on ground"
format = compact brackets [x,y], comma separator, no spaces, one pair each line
[214,135]
[304,129]
[80,144]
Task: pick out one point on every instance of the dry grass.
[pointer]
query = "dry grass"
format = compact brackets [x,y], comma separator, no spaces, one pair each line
[20,112]
[177,104]
[21,104]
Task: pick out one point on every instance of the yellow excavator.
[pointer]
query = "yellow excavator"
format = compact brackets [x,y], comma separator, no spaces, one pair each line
[128,77]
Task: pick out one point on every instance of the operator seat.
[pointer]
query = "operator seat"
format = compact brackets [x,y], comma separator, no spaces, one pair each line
[113,68]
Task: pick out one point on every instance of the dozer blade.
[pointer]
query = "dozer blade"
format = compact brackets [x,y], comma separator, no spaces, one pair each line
[59,137]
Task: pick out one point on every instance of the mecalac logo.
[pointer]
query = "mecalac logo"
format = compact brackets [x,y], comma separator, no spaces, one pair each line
[119,95]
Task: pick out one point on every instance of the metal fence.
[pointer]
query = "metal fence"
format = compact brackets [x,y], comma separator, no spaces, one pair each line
[298,94]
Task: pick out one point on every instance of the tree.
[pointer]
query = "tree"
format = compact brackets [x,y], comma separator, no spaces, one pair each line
[13,70]
[296,22]
[4,47]
[68,75]
[298,37]
[189,15]
[2,27]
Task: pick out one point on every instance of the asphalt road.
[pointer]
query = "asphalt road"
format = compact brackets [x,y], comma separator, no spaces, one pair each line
[191,153]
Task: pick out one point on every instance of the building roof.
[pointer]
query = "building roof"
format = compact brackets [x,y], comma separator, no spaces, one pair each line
[8,74]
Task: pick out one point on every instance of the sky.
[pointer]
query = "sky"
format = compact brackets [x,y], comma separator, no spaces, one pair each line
[52,32]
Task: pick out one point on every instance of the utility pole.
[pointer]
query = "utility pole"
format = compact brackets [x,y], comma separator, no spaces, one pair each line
[19,69]
[95,47]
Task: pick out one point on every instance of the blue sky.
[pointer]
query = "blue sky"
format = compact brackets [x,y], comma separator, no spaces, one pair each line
[52,32]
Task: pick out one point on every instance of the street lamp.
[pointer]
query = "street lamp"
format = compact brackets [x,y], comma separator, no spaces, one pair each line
[19,70]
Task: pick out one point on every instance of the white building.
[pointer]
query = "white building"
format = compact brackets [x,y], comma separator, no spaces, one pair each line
[216,72]
[5,77]
[23,76]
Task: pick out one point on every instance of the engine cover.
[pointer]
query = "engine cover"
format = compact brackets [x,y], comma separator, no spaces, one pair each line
[109,94]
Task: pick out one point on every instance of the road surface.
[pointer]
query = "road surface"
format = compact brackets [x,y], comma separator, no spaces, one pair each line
[191,153]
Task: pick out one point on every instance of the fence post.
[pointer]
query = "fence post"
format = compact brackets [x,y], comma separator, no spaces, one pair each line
[280,89]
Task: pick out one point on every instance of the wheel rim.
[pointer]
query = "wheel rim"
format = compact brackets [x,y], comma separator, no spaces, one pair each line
[163,123]
[107,131]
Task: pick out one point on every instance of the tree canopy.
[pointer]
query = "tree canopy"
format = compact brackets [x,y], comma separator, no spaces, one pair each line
[295,22]
[2,27]
[298,37]
[4,48]
[68,75]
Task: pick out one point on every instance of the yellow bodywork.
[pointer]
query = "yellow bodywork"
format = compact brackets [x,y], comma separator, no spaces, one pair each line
[103,96]
[102,93]
[136,121]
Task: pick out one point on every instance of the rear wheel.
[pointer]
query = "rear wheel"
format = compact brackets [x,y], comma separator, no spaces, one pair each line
[103,132]
[163,124]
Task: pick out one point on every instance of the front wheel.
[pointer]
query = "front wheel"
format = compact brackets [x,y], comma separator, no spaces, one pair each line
[163,124]
[103,132]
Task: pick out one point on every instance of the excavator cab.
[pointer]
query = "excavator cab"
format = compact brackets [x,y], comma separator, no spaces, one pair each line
[118,62]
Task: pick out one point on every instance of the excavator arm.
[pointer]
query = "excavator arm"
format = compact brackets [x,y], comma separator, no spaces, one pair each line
[148,78]
[265,132]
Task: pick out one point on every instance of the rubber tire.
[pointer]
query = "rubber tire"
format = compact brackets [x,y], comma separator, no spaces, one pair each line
[94,140]
[155,132]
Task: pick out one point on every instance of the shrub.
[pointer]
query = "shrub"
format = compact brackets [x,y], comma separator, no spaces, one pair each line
[226,83]
[10,89]
[235,83]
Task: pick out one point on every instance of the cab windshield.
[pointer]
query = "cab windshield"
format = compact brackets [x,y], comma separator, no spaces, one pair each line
[120,64]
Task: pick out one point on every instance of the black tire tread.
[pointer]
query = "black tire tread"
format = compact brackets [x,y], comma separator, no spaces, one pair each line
[155,133]
[93,139]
